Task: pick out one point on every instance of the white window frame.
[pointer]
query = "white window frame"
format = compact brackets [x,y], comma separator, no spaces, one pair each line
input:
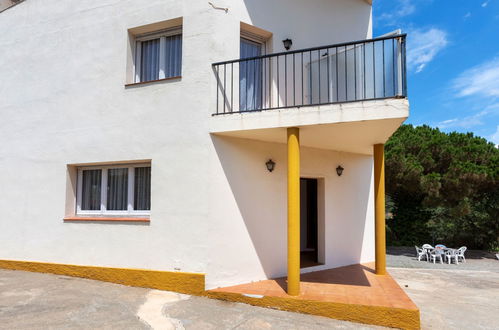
[103,210]
[162,49]
[256,38]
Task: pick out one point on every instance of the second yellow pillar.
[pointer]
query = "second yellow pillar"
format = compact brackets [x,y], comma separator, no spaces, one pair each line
[379,209]
[293,211]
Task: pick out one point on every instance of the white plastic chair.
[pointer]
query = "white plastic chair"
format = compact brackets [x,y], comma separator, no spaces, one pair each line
[460,253]
[436,253]
[449,254]
[421,253]
[428,248]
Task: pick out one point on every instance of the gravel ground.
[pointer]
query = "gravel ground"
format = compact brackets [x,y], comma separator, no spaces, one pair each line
[405,257]
[452,296]
[46,301]
[452,299]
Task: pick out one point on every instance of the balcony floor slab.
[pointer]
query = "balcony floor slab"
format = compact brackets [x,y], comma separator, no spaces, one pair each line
[349,127]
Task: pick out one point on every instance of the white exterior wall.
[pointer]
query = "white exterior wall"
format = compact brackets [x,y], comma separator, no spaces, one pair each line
[251,210]
[215,209]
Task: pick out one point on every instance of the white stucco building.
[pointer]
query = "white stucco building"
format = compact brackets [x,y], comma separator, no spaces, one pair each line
[134,136]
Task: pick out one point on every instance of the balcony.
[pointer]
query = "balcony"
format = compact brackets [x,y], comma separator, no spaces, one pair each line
[346,96]
[354,71]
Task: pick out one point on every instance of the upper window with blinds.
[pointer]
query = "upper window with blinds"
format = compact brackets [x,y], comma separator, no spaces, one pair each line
[158,55]
[118,190]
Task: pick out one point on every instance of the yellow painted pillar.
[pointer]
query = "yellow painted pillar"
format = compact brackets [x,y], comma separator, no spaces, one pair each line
[379,208]
[293,211]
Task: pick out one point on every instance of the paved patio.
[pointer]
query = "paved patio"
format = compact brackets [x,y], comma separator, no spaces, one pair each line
[452,299]
[355,284]
[353,293]
[462,296]
[405,257]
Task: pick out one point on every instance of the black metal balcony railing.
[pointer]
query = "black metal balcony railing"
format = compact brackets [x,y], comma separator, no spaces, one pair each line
[353,71]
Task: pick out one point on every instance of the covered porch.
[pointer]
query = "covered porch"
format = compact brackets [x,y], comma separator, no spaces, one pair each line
[363,293]
[357,187]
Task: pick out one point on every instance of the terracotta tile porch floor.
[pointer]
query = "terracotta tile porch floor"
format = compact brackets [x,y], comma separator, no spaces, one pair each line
[355,285]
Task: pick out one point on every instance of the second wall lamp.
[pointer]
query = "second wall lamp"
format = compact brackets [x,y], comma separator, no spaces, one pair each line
[287,43]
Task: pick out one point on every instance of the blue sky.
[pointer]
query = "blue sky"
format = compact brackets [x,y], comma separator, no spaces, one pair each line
[453,61]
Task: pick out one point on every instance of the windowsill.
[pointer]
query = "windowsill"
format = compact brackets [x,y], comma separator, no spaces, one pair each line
[106,219]
[152,81]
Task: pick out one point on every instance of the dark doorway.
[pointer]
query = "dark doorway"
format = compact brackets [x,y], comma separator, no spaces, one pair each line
[308,223]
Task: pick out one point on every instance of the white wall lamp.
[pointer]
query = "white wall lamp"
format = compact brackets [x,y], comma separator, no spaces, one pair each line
[270,165]
[287,43]
[339,170]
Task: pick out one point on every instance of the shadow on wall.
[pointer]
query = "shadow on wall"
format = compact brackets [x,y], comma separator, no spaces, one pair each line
[333,21]
[349,228]
[260,196]
[261,201]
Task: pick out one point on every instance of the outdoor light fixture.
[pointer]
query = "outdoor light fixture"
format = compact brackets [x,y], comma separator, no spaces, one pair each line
[339,170]
[270,165]
[287,43]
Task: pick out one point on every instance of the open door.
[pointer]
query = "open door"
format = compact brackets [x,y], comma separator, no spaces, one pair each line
[309,251]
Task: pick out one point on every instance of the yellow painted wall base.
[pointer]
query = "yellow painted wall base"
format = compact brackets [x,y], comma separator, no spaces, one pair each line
[190,283]
[376,315]
[194,284]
